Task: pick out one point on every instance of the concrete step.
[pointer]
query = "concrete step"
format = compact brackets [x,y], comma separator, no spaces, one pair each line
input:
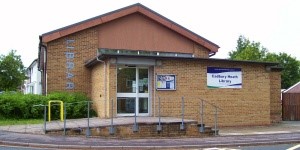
[215,131]
[207,129]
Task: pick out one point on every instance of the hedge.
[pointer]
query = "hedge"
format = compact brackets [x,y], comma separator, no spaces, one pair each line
[21,106]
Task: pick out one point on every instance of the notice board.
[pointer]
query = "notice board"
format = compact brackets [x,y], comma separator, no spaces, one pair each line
[165,82]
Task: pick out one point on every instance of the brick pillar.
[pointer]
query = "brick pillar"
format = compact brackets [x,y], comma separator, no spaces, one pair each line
[275,101]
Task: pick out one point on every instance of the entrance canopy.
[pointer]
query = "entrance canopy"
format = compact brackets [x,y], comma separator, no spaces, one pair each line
[150,56]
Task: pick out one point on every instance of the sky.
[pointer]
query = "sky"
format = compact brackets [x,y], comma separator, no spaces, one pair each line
[273,23]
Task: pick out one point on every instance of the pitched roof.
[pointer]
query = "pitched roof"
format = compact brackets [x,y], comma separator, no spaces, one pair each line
[293,89]
[32,63]
[136,8]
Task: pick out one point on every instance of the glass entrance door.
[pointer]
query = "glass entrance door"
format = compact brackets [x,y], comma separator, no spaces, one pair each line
[132,91]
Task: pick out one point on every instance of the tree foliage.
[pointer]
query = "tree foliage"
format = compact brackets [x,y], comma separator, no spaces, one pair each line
[251,50]
[247,50]
[291,68]
[12,71]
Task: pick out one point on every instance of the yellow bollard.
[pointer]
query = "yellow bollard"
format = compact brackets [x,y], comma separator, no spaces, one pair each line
[61,109]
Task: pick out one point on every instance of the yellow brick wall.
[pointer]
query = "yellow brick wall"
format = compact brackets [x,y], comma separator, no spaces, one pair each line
[97,89]
[85,47]
[257,103]
[246,106]
[249,105]
[275,106]
[112,89]
[200,51]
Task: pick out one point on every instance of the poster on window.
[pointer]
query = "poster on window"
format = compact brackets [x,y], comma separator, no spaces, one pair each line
[224,77]
[166,82]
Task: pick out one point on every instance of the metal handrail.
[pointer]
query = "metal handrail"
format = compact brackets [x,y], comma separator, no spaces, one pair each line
[65,115]
[216,109]
[202,114]
[215,106]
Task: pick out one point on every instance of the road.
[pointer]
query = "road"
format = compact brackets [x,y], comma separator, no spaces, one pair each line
[258,147]
[3,147]
[261,147]
[9,138]
[272,147]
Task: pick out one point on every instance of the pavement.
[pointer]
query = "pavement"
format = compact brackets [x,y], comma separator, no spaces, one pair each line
[83,123]
[280,133]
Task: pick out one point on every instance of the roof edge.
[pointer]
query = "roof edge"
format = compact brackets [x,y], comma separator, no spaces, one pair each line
[90,19]
[291,87]
[93,61]
[35,60]
[98,20]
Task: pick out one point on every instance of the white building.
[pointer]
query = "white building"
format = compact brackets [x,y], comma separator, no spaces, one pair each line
[33,83]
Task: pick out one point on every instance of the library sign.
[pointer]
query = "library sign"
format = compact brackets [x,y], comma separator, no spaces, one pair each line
[224,77]
[70,55]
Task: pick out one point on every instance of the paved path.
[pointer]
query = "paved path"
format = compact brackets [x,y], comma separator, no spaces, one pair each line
[61,142]
[283,127]
[285,132]
[82,123]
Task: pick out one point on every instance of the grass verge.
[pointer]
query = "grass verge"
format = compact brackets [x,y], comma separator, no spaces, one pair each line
[6,122]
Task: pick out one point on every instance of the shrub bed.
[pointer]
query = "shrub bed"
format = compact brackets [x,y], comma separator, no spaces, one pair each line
[21,106]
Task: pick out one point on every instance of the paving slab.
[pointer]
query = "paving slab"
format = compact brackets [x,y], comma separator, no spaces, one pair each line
[283,127]
[284,132]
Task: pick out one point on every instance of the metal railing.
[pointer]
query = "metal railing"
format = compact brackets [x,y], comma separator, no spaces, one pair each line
[182,106]
[202,112]
[45,116]
[88,133]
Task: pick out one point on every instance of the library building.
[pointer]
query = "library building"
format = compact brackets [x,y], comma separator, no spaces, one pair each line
[134,61]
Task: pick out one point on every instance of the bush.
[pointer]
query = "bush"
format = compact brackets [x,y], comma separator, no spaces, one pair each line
[31,111]
[10,105]
[76,105]
[20,106]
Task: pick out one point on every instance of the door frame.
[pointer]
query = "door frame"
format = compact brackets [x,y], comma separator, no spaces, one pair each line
[135,95]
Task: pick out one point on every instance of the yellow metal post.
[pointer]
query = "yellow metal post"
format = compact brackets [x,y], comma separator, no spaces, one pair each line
[61,109]
[49,111]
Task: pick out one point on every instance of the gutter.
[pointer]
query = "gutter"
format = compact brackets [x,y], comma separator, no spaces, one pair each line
[211,54]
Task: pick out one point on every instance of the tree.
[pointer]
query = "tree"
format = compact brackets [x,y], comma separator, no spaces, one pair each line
[12,71]
[247,50]
[291,68]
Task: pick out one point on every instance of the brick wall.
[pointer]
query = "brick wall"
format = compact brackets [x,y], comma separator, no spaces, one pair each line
[200,51]
[85,47]
[146,130]
[87,42]
[275,88]
[249,105]
[256,103]
[112,89]
[97,89]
